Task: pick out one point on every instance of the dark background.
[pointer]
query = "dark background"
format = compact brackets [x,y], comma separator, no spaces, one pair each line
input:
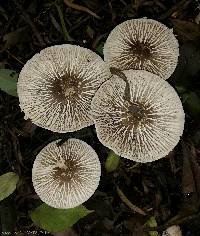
[160,188]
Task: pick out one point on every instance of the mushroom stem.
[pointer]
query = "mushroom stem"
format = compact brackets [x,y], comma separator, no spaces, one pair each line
[127,93]
[134,108]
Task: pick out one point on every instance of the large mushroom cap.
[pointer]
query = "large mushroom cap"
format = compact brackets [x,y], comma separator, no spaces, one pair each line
[142,44]
[56,87]
[147,127]
[66,176]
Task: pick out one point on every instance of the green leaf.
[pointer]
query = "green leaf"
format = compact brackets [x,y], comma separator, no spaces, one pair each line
[186,30]
[112,162]
[56,220]
[8,184]
[8,81]
[152,223]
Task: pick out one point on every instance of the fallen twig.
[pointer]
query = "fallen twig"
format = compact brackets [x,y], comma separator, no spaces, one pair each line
[13,56]
[75,6]
[128,203]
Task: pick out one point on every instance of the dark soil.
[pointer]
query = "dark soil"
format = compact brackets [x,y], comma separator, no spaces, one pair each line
[167,189]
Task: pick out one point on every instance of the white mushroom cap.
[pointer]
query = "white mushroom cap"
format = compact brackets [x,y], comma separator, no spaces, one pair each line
[142,44]
[145,129]
[66,176]
[172,231]
[56,86]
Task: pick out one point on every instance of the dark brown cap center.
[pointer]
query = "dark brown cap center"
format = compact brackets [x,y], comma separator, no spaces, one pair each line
[66,171]
[140,50]
[137,111]
[65,87]
[136,114]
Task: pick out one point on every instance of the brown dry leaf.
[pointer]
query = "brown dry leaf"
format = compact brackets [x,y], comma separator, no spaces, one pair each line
[190,181]
[176,10]
[191,170]
[170,157]
[196,168]
[28,128]
[186,30]
[190,186]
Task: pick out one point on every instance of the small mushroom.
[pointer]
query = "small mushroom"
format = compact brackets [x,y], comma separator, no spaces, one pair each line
[56,86]
[142,123]
[172,231]
[66,176]
[142,44]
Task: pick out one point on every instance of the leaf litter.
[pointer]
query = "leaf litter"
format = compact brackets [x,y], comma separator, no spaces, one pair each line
[167,190]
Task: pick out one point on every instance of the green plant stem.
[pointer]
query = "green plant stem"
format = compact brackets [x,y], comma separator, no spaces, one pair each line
[62,21]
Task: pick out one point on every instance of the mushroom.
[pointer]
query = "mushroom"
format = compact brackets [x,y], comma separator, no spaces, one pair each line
[172,231]
[66,176]
[142,44]
[56,86]
[142,119]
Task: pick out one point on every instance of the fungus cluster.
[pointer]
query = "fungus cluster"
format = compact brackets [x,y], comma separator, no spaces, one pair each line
[136,113]
[55,88]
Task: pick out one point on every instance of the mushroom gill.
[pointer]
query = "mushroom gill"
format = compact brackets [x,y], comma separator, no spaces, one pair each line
[142,44]
[66,176]
[56,86]
[144,127]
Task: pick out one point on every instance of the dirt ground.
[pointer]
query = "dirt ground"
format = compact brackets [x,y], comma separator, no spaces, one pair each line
[168,189]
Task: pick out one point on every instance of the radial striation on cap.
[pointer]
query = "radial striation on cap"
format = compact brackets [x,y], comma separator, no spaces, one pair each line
[142,44]
[145,128]
[56,86]
[66,176]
